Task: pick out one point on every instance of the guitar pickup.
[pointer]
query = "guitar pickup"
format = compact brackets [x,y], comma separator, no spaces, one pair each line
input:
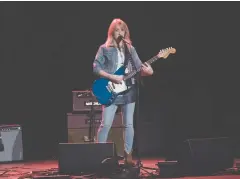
[113,85]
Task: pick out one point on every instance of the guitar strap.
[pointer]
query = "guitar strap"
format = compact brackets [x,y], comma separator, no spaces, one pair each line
[128,58]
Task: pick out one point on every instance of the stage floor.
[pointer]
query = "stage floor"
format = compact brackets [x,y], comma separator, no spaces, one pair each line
[22,170]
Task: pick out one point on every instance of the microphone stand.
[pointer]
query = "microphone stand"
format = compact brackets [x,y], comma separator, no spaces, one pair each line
[137,81]
[139,164]
[92,122]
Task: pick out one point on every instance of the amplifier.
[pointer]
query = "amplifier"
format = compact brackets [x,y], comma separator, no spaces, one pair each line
[83,100]
[11,139]
[81,135]
[78,129]
[83,120]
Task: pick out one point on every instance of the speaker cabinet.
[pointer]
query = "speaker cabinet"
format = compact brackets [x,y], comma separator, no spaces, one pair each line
[115,135]
[11,139]
[82,120]
[80,158]
[79,124]
[206,156]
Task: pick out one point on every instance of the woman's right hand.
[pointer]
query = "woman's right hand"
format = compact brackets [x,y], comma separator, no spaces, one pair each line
[116,79]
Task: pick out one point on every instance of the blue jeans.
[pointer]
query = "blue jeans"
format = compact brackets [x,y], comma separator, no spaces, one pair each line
[108,114]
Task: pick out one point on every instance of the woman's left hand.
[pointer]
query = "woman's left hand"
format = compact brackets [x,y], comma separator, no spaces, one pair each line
[147,69]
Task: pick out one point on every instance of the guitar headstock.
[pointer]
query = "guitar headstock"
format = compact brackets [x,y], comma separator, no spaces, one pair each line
[164,53]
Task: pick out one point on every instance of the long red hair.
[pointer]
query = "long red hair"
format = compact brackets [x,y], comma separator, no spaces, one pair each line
[111,29]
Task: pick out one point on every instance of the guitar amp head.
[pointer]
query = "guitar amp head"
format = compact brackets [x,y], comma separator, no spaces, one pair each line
[84,100]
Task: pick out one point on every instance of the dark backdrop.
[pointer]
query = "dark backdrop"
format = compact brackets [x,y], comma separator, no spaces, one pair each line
[47,50]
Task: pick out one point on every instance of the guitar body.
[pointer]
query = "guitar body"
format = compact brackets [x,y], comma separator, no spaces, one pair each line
[105,91]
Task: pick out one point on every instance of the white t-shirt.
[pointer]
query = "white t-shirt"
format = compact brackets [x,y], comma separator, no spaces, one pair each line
[121,58]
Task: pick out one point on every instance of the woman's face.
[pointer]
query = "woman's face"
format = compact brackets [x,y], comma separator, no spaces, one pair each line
[119,31]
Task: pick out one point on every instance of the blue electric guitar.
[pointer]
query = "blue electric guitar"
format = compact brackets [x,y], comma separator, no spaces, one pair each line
[106,91]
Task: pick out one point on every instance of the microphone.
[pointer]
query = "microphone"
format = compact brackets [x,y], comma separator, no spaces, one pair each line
[121,38]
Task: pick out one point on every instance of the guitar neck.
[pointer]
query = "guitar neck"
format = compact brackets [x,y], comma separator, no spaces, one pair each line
[133,73]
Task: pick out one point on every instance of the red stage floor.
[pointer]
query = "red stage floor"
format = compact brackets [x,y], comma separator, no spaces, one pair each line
[16,170]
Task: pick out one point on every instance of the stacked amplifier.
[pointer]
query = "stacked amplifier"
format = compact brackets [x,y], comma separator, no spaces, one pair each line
[84,120]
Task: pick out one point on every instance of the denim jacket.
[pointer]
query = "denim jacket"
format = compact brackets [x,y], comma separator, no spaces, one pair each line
[107,59]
